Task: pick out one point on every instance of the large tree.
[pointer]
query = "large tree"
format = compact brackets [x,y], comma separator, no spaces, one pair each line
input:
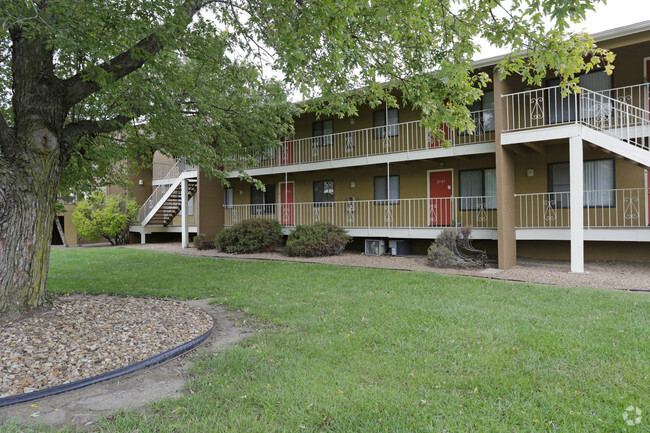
[87,84]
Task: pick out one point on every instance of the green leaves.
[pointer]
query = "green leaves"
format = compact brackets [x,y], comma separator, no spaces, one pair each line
[101,216]
[207,94]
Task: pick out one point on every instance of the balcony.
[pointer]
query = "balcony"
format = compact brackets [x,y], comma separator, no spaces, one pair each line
[410,140]
[609,215]
[415,217]
[620,113]
[613,214]
[612,208]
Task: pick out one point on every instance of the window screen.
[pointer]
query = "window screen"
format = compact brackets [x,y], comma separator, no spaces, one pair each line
[321,132]
[379,119]
[381,189]
[323,191]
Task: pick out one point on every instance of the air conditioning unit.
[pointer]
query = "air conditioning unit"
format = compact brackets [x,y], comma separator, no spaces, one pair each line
[375,247]
[399,247]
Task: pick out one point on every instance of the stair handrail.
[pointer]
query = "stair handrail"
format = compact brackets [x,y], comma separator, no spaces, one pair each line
[164,186]
[614,117]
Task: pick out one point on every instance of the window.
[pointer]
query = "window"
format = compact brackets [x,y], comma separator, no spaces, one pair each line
[561,110]
[263,201]
[379,119]
[228,198]
[483,110]
[481,186]
[323,192]
[190,206]
[321,132]
[598,183]
[381,190]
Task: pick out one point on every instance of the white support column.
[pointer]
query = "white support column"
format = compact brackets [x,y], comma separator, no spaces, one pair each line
[143,236]
[184,232]
[577,205]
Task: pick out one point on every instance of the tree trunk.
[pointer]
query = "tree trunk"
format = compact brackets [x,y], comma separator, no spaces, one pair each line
[25,237]
[31,162]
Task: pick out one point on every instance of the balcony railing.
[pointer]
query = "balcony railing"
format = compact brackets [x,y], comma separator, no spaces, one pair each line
[621,112]
[636,95]
[160,169]
[479,212]
[380,140]
[611,208]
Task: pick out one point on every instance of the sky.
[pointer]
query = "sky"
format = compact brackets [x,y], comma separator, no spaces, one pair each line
[616,13]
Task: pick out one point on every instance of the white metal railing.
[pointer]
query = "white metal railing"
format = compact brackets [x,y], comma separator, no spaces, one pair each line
[636,95]
[401,137]
[160,169]
[620,119]
[611,208]
[479,212]
[179,167]
[623,115]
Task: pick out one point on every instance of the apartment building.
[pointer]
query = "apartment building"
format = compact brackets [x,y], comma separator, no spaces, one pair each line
[540,176]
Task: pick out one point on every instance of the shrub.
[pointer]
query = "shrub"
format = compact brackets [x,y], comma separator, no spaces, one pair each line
[453,249]
[440,256]
[320,239]
[201,243]
[101,216]
[250,236]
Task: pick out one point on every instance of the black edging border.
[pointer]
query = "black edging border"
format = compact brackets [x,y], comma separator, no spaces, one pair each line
[156,359]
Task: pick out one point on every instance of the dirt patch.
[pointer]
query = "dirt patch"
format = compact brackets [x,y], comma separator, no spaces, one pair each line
[81,408]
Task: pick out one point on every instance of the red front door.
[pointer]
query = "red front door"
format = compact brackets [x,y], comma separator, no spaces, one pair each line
[440,202]
[286,155]
[286,198]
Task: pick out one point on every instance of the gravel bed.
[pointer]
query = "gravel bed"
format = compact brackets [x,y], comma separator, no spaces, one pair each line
[84,336]
[599,274]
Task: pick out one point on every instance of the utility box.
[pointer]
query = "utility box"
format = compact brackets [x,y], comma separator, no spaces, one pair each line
[399,247]
[375,247]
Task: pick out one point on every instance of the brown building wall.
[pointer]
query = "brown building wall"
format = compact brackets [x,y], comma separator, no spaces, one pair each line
[209,202]
[359,181]
[561,250]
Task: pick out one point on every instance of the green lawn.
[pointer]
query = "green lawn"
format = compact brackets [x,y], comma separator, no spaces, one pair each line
[367,350]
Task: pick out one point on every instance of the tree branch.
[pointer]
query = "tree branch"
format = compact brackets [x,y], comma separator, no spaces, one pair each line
[73,132]
[80,87]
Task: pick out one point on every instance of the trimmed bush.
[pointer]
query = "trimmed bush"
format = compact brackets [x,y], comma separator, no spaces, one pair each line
[320,239]
[201,243]
[105,216]
[253,235]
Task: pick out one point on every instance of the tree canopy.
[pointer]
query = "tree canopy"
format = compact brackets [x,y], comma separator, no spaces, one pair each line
[89,84]
[188,77]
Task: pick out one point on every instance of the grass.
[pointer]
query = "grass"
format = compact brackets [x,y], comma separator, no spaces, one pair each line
[367,350]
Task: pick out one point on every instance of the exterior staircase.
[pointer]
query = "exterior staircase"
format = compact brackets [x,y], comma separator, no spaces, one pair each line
[172,206]
[165,202]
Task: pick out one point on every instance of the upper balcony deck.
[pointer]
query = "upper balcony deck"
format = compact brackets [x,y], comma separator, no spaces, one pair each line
[397,142]
[543,114]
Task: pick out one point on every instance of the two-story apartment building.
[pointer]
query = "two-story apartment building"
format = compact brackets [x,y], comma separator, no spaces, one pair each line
[541,176]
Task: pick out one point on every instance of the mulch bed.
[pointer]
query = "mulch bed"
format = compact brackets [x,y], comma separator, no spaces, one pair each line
[84,336]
